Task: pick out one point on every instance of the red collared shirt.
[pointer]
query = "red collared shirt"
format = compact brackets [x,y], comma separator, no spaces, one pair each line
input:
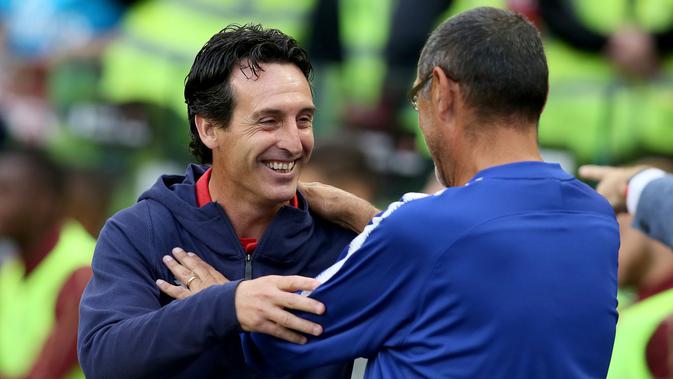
[203,197]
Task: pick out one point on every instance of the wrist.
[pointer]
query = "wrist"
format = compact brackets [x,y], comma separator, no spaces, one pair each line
[637,184]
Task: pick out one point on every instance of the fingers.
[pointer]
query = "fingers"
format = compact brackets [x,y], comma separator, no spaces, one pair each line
[594,172]
[300,303]
[307,185]
[176,292]
[288,299]
[197,267]
[262,306]
[219,278]
[290,321]
[308,191]
[180,272]
[282,333]
[295,283]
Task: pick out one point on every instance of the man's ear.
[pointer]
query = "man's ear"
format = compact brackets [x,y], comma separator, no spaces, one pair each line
[206,130]
[445,93]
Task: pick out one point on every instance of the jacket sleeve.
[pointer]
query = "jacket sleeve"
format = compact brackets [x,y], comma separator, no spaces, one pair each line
[370,302]
[563,21]
[124,330]
[654,215]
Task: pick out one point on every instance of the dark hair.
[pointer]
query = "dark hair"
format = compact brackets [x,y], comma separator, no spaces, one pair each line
[208,91]
[497,58]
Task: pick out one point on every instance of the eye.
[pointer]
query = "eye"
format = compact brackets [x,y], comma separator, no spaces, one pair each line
[305,121]
[268,123]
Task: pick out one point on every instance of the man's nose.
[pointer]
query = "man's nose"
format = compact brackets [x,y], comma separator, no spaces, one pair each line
[289,138]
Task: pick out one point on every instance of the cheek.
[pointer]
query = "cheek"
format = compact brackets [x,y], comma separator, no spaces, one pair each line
[424,123]
[425,127]
[251,147]
[307,141]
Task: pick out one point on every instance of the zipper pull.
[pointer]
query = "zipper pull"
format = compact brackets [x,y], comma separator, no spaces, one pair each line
[248,266]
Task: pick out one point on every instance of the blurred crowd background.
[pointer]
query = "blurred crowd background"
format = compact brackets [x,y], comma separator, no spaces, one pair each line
[96,86]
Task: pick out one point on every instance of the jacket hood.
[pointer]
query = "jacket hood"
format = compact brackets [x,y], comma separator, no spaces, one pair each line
[211,226]
[177,193]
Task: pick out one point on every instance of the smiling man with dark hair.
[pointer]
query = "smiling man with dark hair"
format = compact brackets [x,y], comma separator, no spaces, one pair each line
[251,111]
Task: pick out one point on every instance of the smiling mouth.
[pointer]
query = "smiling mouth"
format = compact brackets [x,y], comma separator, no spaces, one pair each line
[280,166]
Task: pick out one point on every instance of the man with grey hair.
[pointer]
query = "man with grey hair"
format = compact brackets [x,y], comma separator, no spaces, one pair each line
[510,272]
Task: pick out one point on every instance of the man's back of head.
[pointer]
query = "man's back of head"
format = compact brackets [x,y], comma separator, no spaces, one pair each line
[497,58]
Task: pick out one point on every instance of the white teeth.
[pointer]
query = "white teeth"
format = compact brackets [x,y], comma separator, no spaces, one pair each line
[280,166]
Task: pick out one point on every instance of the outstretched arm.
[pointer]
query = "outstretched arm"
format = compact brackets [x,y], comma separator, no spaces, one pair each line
[371,297]
[262,304]
[645,192]
[612,182]
[127,330]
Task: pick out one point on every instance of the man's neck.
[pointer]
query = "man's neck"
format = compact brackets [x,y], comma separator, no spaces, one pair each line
[499,146]
[249,218]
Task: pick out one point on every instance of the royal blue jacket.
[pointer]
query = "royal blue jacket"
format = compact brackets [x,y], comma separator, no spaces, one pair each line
[511,276]
[128,329]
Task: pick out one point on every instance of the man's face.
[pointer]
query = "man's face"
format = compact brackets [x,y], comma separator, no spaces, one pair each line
[269,139]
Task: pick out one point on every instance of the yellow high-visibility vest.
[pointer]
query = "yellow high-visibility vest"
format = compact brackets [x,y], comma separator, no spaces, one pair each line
[637,323]
[160,38]
[27,304]
[591,110]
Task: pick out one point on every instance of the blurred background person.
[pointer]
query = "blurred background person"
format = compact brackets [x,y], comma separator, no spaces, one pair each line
[644,341]
[42,282]
[611,96]
[112,109]
[339,163]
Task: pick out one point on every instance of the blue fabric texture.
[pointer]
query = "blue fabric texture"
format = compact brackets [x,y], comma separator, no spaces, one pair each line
[128,329]
[512,276]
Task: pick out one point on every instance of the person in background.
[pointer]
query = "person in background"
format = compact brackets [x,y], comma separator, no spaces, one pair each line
[645,192]
[41,284]
[642,195]
[342,165]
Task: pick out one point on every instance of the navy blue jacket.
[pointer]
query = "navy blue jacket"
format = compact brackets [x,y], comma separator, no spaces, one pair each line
[512,276]
[128,329]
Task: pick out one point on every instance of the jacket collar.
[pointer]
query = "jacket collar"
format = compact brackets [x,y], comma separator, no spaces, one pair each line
[523,170]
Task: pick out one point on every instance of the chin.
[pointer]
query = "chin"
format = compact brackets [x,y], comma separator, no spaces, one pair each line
[282,195]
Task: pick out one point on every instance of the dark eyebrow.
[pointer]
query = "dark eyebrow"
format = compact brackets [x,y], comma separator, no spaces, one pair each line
[276,112]
[309,110]
[266,112]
